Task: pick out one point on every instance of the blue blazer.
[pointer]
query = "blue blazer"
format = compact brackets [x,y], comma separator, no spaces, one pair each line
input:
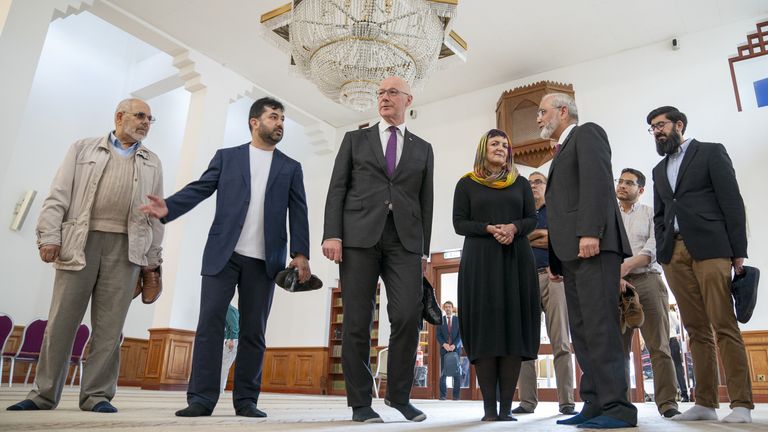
[442,334]
[229,173]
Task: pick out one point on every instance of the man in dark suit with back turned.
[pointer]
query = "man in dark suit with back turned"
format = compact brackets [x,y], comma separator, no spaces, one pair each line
[701,234]
[378,214]
[450,341]
[256,186]
[587,245]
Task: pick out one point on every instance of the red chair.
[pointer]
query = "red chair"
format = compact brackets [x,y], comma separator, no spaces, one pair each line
[6,327]
[29,349]
[81,339]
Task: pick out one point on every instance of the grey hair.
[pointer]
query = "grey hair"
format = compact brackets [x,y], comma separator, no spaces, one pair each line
[125,104]
[563,100]
[538,173]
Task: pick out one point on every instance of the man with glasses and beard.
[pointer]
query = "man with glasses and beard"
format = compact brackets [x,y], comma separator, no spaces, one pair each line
[700,228]
[246,248]
[91,229]
[587,245]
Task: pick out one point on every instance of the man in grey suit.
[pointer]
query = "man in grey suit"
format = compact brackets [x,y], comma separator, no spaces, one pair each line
[378,222]
[587,245]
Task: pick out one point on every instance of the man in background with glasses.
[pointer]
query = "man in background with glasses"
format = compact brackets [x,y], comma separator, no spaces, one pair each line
[701,234]
[643,273]
[555,310]
[378,222]
[91,229]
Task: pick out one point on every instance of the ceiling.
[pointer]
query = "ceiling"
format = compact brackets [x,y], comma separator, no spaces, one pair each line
[507,39]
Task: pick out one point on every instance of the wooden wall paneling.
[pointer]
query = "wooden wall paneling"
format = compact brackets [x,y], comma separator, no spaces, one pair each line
[295,370]
[756,343]
[169,359]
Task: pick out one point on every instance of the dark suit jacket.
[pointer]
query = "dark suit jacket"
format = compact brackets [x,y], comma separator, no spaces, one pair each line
[229,173]
[442,334]
[360,192]
[581,201]
[707,203]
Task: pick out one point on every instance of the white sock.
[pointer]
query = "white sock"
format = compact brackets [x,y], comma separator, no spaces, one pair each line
[697,412]
[738,415]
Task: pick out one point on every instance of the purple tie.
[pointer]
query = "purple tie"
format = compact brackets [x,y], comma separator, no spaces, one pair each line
[391,155]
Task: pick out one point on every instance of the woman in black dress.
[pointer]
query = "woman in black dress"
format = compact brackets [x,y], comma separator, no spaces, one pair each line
[498,286]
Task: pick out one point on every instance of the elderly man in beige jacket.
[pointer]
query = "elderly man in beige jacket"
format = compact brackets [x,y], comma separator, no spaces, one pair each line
[91,229]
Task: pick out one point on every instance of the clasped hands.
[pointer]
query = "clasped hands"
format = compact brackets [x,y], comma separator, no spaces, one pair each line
[503,233]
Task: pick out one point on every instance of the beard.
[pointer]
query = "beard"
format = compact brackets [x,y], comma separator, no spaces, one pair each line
[273,136]
[668,144]
[549,128]
[135,134]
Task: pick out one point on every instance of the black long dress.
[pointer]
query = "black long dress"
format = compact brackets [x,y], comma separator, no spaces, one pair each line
[498,287]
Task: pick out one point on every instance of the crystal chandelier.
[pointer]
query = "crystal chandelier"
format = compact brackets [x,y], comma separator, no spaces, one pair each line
[346,47]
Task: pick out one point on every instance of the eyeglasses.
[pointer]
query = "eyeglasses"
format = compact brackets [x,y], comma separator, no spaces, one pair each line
[537,182]
[393,92]
[628,183]
[658,126]
[540,112]
[142,116]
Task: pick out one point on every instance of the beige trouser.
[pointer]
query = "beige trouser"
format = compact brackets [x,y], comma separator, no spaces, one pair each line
[702,290]
[655,330]
[107,281]
[556,318]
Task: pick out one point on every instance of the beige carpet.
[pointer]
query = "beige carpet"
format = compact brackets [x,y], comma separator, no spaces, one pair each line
[142,410]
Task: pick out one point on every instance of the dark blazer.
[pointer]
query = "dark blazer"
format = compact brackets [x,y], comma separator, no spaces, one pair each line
[360,192]
[581,201]
[707,203]
[229,173]
[442,334]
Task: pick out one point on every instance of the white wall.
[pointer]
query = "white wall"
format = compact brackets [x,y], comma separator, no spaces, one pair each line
[616,92]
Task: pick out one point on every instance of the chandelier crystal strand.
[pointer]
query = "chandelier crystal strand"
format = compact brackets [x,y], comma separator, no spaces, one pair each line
[348,46]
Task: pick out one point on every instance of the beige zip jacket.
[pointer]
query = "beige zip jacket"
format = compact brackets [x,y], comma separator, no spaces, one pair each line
[66,213]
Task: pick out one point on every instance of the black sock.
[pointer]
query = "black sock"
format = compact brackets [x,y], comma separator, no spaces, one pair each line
[509,371]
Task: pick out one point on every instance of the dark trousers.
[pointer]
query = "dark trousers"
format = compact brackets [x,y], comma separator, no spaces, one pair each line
[456,379]
[592,294]
[677,359]
[401,272]
[255,290]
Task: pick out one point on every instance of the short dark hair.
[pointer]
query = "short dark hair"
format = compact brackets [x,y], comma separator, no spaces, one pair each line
[636,173]
[258,108]
[497,132]
[672,113]
[448,302]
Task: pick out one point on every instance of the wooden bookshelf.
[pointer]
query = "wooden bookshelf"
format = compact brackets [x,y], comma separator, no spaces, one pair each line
[335,380]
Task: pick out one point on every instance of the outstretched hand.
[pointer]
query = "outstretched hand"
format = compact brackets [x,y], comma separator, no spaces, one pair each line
[155,208]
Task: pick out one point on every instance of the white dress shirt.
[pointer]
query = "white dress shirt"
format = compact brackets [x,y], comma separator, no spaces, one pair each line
[384,134]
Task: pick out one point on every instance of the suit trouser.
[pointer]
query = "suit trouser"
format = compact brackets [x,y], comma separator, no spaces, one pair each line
[255,290]
[677,360]
[227,358]
[655,330]
[702,290]
[443,376]
[107,281]
[401,273]
[592,292]
[555,310]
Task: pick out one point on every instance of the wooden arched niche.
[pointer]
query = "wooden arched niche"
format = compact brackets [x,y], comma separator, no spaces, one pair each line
[516,115]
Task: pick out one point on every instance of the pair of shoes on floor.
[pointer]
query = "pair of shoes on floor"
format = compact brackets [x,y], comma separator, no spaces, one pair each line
[521,410]
[25,405]
[408,411]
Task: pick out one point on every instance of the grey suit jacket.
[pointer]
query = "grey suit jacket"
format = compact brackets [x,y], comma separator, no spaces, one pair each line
[581,201]
[361,192]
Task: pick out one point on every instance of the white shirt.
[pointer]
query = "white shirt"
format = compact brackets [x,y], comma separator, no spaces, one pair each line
[673,169]
[251,241]
[565,133]
[638,222]
[384,134]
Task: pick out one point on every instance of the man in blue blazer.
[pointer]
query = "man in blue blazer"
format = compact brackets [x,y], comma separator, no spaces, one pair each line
[256,186]
[450,341]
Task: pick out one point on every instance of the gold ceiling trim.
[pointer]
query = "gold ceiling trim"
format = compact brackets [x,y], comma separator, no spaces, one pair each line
[459,40]
[274,13]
